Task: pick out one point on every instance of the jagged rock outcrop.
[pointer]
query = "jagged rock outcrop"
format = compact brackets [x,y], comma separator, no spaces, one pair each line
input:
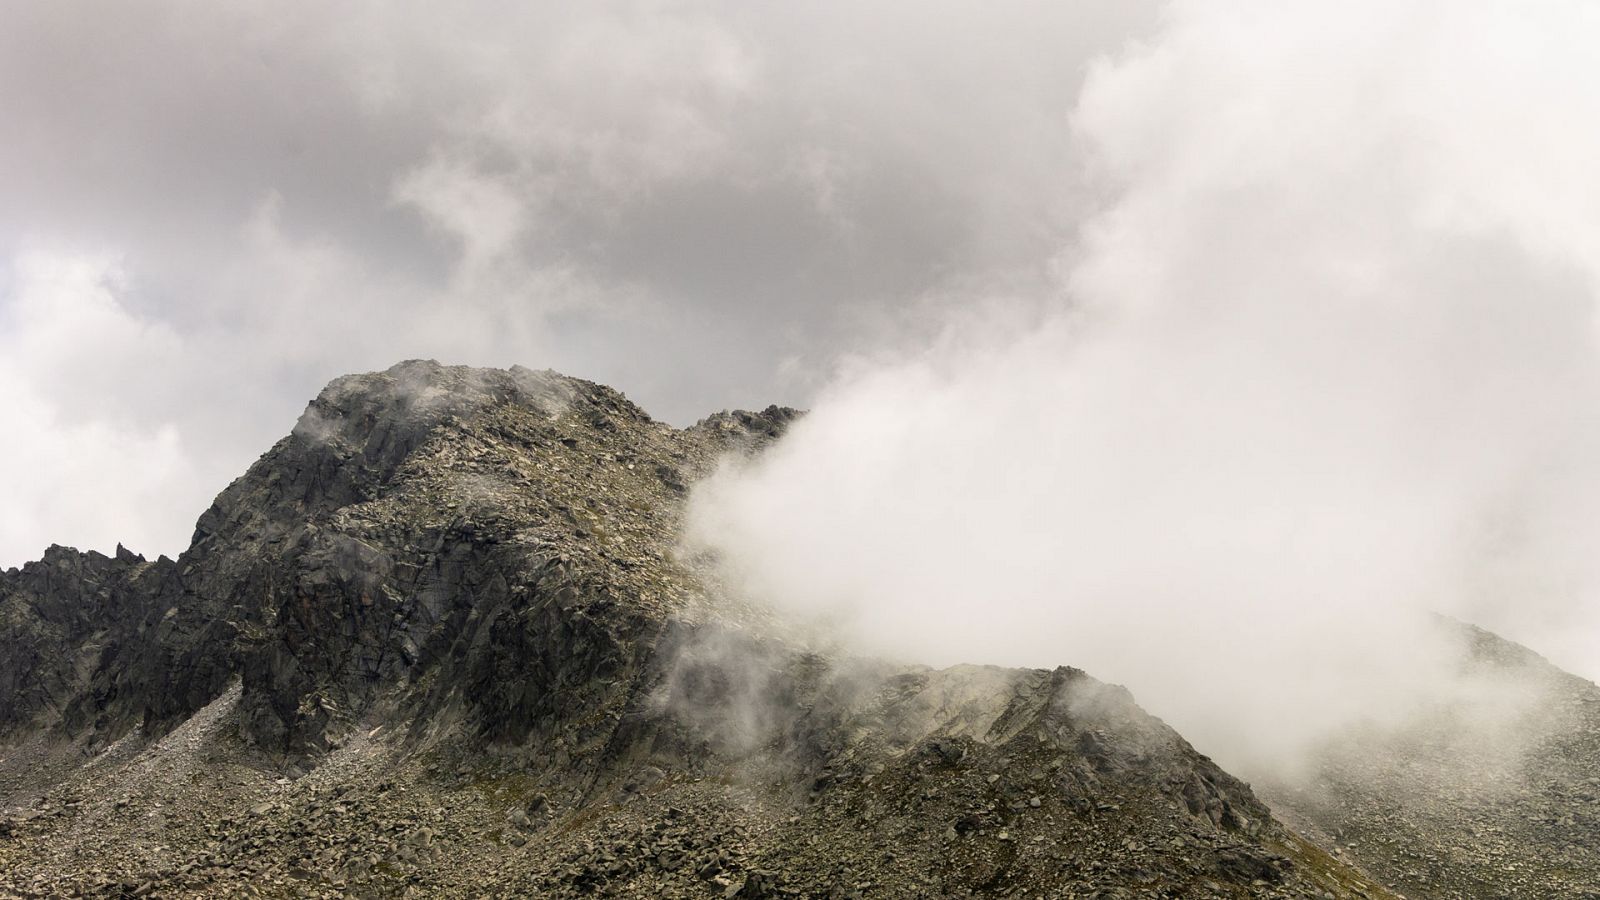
[96,645]
[438,640]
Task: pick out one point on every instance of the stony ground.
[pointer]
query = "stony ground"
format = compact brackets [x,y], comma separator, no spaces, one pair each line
[198,813]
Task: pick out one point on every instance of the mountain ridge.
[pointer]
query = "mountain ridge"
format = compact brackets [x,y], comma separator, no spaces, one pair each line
[439,639]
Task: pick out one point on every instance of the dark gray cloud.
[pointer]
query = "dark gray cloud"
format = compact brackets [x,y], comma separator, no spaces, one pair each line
[210,210]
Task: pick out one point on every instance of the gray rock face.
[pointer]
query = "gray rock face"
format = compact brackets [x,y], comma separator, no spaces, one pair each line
[438,640]
[96,645]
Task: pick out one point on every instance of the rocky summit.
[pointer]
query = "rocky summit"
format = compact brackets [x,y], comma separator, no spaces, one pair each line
[441,641]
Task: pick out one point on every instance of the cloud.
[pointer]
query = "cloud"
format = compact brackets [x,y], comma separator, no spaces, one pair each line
[704,205]
[72,359]
[1321,360]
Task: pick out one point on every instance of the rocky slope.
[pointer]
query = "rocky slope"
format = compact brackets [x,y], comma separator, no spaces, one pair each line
[438,642]
[1493,795]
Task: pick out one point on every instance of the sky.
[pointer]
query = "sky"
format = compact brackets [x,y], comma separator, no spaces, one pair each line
[208,211]
[1134,333]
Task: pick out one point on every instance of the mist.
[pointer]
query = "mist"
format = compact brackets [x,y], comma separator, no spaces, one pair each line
[1319,362]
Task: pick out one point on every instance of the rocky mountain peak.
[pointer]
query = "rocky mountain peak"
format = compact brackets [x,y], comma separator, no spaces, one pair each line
[438,639]
[416,395]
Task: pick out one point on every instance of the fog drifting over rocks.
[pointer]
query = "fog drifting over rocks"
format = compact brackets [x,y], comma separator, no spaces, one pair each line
[1322,360]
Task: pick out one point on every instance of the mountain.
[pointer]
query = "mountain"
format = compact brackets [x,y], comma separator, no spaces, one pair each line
[441,641]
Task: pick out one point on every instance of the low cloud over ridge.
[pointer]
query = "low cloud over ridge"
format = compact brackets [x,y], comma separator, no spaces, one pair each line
[1324,360]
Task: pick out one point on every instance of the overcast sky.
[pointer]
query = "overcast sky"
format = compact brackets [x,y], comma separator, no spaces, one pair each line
[209,210]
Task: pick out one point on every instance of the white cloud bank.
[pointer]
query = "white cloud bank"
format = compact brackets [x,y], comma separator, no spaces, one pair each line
[84,468]
[1324,359]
